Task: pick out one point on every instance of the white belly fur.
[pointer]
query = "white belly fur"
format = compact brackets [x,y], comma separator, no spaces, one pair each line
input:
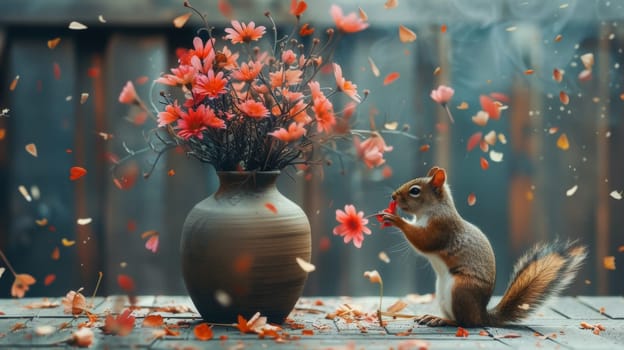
[444,285]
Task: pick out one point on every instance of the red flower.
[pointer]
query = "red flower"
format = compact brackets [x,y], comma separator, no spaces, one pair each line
[183,75]
[324,113]
[298,7]
[253,109]
[352,225]
[196,121]
[248,71]
[350,23]
[203,50]
[244,33]
[391,209]
[210,85]
[170,115]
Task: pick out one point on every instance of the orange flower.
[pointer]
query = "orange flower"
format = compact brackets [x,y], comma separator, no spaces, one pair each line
[295,132]
[244,33]
[128,94]
[324,113]
[346,86]
[203,50]
[183,75]
[170,115]
[22,283]
[289,57]
[290,77]
[210,85]
[248,71]
[352,225]
[253,109]
[299,113]
[350,23]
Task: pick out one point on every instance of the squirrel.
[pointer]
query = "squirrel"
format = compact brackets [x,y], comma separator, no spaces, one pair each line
[463,259]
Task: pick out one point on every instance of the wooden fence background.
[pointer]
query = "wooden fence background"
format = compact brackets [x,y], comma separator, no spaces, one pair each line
[487,48]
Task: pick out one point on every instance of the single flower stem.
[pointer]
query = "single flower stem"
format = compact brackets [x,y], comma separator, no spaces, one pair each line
[97,285]
[379,314]
[8,264]
[448,111]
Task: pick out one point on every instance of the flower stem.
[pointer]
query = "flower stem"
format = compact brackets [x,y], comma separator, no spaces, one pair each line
[8,264]
[448,111]
[379,314]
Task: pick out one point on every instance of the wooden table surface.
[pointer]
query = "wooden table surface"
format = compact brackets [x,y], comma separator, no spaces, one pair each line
[554,327]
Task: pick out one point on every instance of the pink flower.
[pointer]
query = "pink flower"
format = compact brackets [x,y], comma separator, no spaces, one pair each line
[253,109]
[371,151]
[352,225]
[128,94]
[248,71]
[196,121]
[442,94]
[350,23]
[346,86]
[295,132]
[202,51]
[324,115]
[289,57]
[290,77]
[244,33]
[170,115]
[210,85]
[183,75]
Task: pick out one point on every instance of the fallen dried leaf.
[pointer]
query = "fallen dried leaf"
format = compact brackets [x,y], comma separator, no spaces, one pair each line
[562,142]
[52,43]
[203,331]
[153,321]
[462,332]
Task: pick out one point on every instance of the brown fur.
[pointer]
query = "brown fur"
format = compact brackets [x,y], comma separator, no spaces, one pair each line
[468,255]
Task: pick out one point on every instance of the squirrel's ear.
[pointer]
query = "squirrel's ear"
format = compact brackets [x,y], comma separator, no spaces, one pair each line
[433,170]
[438,178]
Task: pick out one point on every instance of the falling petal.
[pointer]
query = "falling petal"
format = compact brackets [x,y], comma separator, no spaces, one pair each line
[74,25]
[425,147]
[83,221]
[502,139]
[101,19]
[585,75]
[2,134]
[484,163]
[67,243]
[373,276]
[57,71]
[76,173]
[609,262]
[203,331]
[437,70]
[553,130]
[463,106]
[56,253]
[564,98]
[558,38]
[588,60]
[32,149]
[125,282]
[171,172]
[472,199]
[226,9]
[305,266]
[373,67]
[473,141]
[52,43]
[562,142]
[180,21]
[14,83]
[390,4]
[406,35]
[558,75]
[571,191]
[223,298]
[49,279]
[391,125]
[390,78]
[616,195]
[443,28]
[490,138]
[481,118]
[24,193]
[84,97]
[41,222]
[529,71]
[496,156]
[489,106]
[484,146]
[383,256]
[271,207]
[362,14]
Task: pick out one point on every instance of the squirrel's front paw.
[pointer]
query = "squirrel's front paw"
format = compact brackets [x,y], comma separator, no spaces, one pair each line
[389,219]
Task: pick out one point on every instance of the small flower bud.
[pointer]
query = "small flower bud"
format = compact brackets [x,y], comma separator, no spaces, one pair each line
[316,41]
[267,13]
[330,31]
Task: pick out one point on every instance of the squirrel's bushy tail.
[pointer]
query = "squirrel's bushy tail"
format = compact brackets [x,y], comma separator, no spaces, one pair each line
[541,273]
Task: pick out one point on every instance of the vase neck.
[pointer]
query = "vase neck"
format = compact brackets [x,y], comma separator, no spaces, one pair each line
[255,181]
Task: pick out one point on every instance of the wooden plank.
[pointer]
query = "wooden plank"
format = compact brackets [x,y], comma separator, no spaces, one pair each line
[574,309]
[613,306]
[569,334]
[526,338]
[175,302]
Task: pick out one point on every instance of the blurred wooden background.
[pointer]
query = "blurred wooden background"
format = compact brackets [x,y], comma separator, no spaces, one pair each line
[487,48]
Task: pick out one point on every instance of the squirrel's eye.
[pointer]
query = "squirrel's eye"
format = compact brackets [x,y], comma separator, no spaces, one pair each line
[414,191]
